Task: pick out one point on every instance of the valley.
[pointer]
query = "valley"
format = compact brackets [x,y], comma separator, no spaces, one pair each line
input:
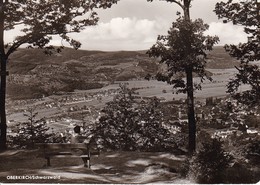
[58,87]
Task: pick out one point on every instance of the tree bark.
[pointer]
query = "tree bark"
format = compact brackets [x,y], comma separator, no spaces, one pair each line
[186,10]
[191,112]
[190,89]
[3,73]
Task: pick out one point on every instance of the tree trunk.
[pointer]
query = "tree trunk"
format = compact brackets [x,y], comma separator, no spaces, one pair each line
[186,10]
[191,112]
[3,125]
[258,14]
[3,73]
[189,86]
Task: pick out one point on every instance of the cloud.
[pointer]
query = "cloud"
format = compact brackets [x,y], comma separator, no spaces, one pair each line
[132,33]
[117,34]
[137,34]
[227,33]
[122,34]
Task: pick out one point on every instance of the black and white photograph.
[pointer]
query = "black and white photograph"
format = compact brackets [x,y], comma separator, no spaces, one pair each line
[130,91]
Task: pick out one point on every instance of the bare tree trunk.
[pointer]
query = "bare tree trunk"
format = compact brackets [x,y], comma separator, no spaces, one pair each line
[3,73]
[186,10]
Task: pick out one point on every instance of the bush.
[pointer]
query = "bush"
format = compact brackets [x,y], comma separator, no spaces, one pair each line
[30,132]
[127,124]
[253,151]
[246,165]
[241,173]
[210,163]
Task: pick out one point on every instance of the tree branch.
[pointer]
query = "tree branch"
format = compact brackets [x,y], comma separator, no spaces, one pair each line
[178,3]
[15,46]
[15,24]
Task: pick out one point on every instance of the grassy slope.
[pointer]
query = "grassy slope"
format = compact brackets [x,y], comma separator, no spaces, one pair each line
[219,59]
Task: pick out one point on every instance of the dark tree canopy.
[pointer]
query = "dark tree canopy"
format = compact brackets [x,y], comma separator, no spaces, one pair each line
[245,13]
[42,19]
[173,52]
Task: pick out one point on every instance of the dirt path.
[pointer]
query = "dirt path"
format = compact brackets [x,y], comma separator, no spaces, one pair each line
[112,167]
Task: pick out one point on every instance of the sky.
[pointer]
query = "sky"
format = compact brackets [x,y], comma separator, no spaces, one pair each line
[135,25]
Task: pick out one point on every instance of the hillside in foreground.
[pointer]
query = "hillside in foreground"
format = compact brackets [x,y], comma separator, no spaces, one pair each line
[34,74]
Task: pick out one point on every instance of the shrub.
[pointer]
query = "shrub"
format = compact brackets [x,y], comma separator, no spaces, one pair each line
[252,121]
[30,132]
[246,166]
[210,163]
[127,124]
[253,151]
[241,173]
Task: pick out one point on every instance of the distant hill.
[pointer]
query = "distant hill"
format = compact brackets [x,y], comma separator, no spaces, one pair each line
[220,59]
[33,74]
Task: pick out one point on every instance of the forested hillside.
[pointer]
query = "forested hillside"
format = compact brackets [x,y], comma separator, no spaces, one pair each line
[34,74]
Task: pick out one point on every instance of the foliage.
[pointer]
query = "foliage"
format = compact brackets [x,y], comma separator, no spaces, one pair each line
[183,51]
[245,13]
[252,121]
[178,59]
[241,173]
[253,150]
[42,19]
[210,163]
[247,74]
[245,150]
[30,132]
[60,137]
[128,125]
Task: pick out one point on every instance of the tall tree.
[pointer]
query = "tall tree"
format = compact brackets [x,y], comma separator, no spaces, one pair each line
[40,19]
[183,51]
[247,14]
